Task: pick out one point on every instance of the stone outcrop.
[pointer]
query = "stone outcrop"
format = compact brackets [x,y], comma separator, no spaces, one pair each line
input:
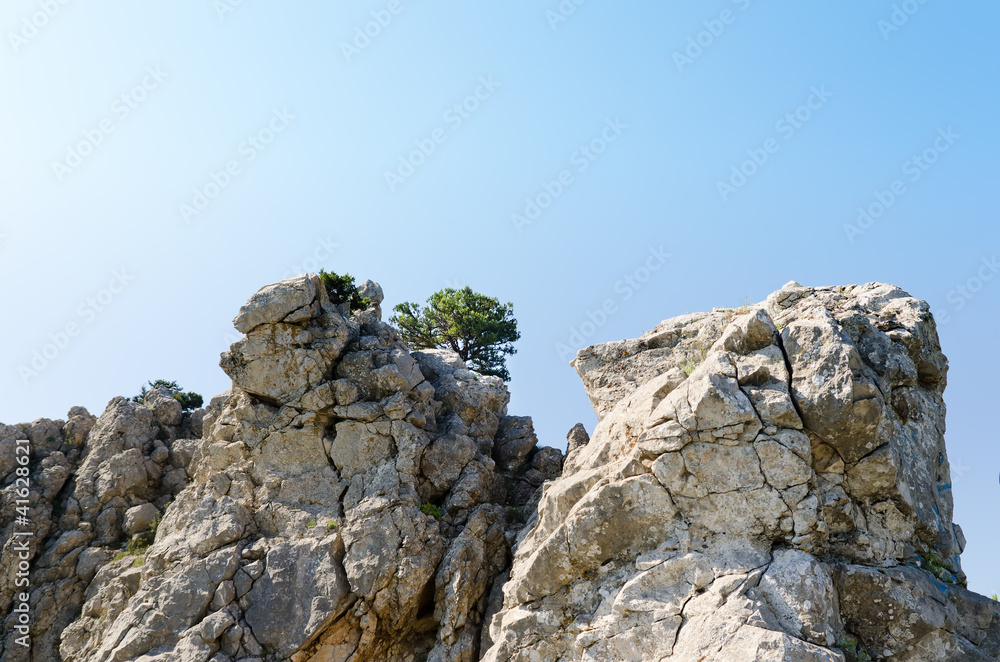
[769,483]
[764,483]
[94,485]
[346,499]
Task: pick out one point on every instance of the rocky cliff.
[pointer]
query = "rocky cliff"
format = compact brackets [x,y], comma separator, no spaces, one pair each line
[346,499]
[768,483]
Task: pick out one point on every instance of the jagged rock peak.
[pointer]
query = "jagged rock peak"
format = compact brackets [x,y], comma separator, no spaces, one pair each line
[346,499]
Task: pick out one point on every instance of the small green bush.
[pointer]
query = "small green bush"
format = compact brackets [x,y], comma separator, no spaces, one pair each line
[932,562]
[137,559]
[156,383]
[140,542]
[138,545]
[310,524]
[432,510]
[331,525]
[343,290]
[852,651]
[188,399]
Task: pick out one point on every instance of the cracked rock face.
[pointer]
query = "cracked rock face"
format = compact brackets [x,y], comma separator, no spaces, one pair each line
[765,484]
[95,483]
[343,504]
[768,483]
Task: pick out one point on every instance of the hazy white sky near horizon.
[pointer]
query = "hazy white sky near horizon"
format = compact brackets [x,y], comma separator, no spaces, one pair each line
[601,112]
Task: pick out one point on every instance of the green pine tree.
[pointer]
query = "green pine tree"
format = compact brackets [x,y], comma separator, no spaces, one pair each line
[477,327]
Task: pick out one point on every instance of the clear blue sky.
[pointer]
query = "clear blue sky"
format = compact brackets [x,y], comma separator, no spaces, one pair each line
[309,117]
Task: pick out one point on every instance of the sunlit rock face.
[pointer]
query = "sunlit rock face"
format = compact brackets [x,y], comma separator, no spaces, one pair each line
[340,502]
[765,483]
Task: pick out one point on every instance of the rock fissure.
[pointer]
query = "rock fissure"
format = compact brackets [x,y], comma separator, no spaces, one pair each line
[790,370]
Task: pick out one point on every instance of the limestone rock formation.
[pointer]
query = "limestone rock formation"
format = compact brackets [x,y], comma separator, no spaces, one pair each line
[343,503]
[768,483]
[764,484]
[93,484]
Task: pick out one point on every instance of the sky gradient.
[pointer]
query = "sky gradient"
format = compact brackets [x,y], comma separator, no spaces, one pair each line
[161,162]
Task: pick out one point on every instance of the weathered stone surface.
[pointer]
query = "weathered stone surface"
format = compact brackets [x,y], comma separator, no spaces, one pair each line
[576,439]
[139,518]
[272,362]
[800,592]
[795,452]
[302,589]
[371,290]
[614,370]
[272,303]
[765,483]
[85,475]
[515,439]
[342,504]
